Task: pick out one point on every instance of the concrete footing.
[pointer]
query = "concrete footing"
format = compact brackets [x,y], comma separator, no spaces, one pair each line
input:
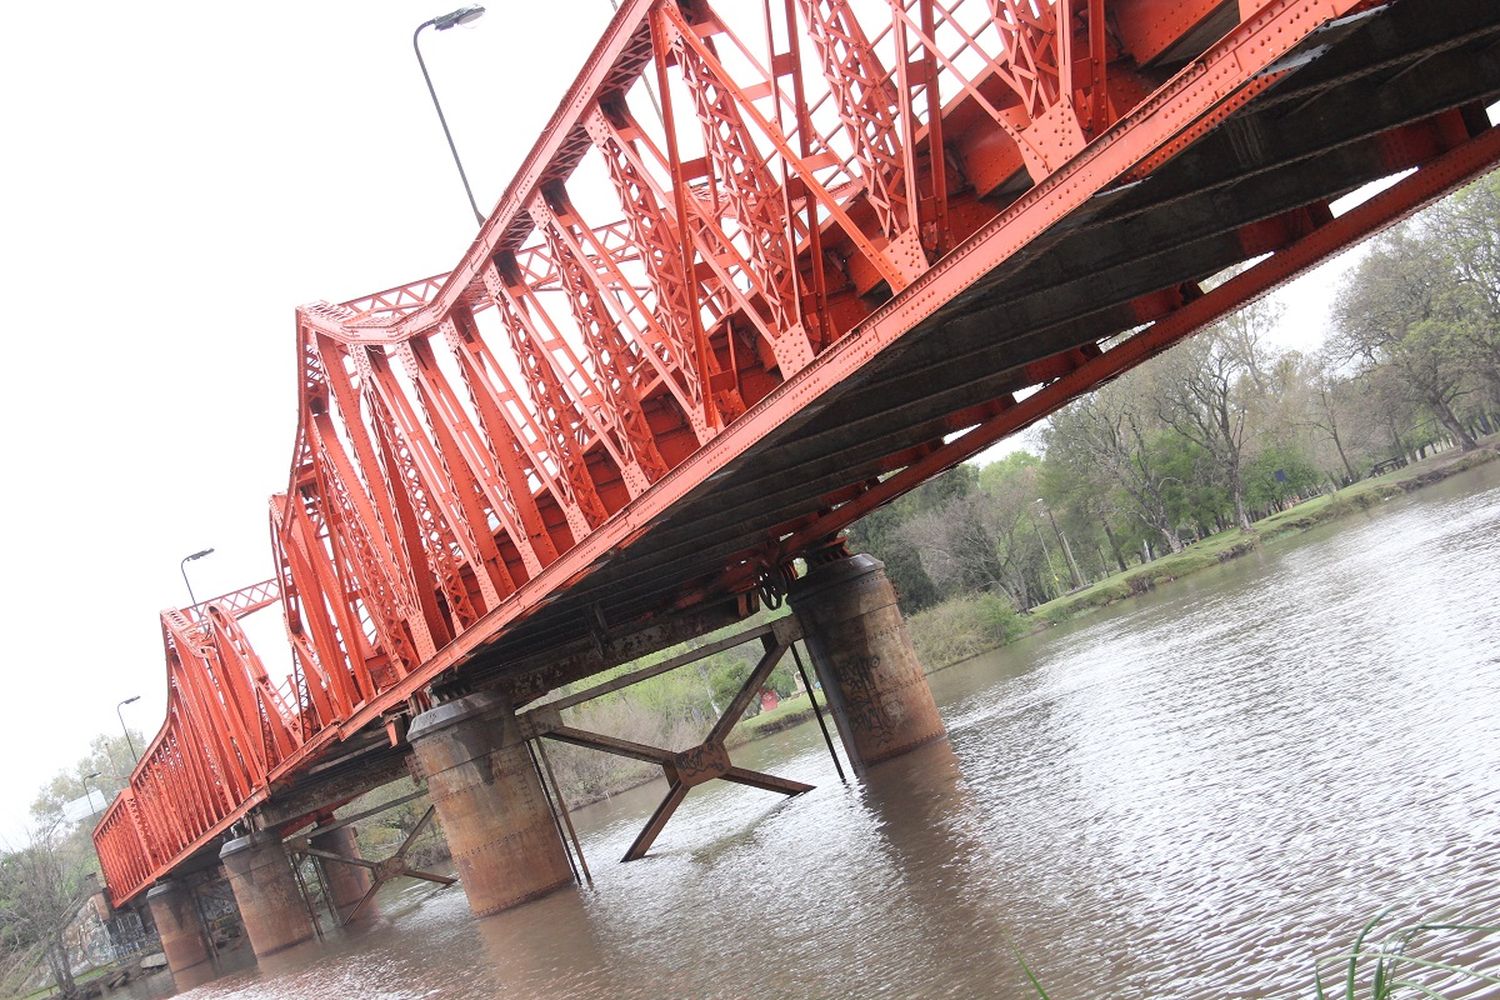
[504,841]
[266,891]
[183,939]
[346,884]
[865,661]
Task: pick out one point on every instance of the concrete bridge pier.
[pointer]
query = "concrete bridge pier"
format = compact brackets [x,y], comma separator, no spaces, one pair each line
[480,778]
[346,884]
[184,939]
[265,889]
[864,657]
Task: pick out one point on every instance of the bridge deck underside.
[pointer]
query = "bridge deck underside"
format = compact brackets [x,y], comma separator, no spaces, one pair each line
[1393,92]
[1323,132]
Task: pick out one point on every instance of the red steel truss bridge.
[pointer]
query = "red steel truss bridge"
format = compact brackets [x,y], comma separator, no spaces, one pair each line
[769,266]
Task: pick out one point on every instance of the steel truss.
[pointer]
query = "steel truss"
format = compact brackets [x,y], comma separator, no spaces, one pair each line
[649,408]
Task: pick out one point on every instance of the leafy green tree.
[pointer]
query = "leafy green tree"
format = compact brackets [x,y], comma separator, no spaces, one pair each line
[1075,489]
[1399,312]
[1109,430]
[1206,388]
[1466,228]
[109,759]
[1278,474]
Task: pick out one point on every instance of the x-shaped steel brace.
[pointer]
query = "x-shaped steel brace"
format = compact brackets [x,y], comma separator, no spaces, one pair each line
[394,866]
[704,762]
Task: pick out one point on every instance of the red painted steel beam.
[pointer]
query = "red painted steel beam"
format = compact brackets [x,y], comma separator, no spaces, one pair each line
[1430,182]
[645,354]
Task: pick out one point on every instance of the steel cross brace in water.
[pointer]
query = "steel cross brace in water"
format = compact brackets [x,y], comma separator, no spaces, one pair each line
[696,765]
[381,872]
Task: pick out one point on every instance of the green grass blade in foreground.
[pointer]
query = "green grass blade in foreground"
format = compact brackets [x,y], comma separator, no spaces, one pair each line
[1035,983]
[1359,943]
[1391,955]
[1428,963]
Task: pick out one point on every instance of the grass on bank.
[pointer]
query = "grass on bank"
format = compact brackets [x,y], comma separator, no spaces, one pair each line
[792,709]
[968,625]
[82,979]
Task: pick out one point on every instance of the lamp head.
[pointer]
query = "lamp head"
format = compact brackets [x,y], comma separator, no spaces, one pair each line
[463,15]
[199,555]
[86,777]
[127,701]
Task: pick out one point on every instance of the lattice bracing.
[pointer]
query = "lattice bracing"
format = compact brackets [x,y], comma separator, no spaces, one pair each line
[768,266]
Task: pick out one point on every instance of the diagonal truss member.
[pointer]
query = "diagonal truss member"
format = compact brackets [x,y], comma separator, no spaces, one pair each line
[684,769]
[381,872]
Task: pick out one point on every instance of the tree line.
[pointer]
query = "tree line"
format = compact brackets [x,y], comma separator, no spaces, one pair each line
[44,882]
[1224,428]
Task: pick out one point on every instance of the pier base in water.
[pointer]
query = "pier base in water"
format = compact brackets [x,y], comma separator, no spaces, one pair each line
[265,889]
[865,660]
[184,941]
[480,778]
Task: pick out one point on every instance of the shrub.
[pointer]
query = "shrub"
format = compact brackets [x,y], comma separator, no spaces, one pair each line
[962,627]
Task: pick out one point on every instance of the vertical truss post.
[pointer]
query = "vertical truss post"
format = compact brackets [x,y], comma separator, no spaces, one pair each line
[818,712]
[541,749]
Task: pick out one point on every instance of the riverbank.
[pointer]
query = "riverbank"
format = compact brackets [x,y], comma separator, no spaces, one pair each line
[967,626]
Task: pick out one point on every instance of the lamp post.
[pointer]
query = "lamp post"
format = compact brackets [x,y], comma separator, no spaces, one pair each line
[193,601]
[463,15]
[121,716]
[89,795]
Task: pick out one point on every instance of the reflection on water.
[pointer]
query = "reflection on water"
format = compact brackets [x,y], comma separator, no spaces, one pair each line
[1193,795]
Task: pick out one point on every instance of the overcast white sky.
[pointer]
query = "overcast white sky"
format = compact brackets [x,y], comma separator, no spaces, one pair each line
[177,178]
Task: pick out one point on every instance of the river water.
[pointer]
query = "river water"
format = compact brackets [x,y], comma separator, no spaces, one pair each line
[1195,794]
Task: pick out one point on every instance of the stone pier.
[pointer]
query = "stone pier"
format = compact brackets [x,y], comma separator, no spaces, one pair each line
[504,841]
[864,658]
[270,901]
[184,940]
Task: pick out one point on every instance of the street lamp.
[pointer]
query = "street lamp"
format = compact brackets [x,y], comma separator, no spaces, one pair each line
[183,566]
[89,796]
[463,15]
[121,716]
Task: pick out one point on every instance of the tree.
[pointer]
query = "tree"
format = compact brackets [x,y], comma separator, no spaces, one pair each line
[1398,312]
[955,544]
[41,888]
[1074,484]
[109,758]
[1011,488]
[1329,409]
[1466,228]
[1276,475]
[1108,429]
[1202,393]
[880,534]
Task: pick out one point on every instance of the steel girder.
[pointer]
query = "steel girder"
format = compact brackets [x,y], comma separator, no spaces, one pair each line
[640,393]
